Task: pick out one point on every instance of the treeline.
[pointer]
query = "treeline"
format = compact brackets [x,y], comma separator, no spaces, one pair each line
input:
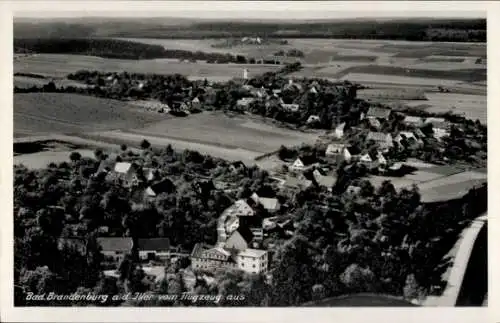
[121,49]
[471,30]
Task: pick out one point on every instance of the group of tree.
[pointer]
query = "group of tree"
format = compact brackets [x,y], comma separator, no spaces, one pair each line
[113,48]
[290,53]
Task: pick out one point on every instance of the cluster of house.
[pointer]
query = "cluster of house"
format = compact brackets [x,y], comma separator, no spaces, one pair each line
[410,139]
[115,249]
[239,236]
[273,97]
[132,176]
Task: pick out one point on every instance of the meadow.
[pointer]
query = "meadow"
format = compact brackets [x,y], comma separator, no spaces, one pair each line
[59,65]
[41,113]
[239,132]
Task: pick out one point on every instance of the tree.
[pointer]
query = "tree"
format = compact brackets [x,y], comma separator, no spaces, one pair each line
[294,274]
[75,156]
[123,147]
[358,279]
[145,144]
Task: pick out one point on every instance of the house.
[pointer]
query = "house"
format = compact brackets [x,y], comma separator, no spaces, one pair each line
[333,150]
[378,113]
[153,248]
[353,190]
[339,130]
[369,160]
[206,257]
[374,123]
[292,86]
[163,186]
[240,208]
[440,126]
[297,165]
[270,204]
[244,102]
[253,261]
[407,139]
[413,121]
[115,248]
[313,90]
[348,154]
[149,174]
[384,140]
[290,107]
[240,239]
[196,104]
[325,181]
[313,119]
[126,173]
[297,183]
[231,224]
[373,160]
[419,134]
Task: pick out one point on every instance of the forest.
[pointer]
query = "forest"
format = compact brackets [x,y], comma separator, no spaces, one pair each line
[113,48]
[446,30]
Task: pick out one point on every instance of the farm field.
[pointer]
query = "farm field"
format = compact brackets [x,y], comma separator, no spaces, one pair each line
[239,132]
[69,113]
[26,82]
[44,158]
[436,183]
[470,106]
[61,65]
[363,78]
[134,139]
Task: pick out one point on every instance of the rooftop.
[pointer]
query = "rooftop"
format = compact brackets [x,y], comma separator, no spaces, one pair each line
[115,244]
[254,253]
[156,244]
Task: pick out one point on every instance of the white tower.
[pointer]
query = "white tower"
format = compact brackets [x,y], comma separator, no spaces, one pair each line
[245,74]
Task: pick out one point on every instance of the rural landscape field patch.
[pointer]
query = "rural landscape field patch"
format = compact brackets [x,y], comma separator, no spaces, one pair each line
[62,65]
[239,133]
[70,113]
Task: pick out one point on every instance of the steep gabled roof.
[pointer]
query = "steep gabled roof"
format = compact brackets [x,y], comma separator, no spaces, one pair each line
[377,136]
[377,112]
[124,244]
[156,244]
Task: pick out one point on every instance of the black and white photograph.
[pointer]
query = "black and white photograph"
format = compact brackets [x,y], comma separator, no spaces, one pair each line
[248,157]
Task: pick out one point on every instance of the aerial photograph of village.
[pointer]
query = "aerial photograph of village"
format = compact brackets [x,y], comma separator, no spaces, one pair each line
[173,161]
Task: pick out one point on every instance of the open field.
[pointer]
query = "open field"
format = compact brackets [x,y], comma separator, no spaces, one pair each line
[44,158]
[26,82]
[69,113]
[465,75]
[238,132]
[437,183]
[363,78]
[470,106]
[62,65]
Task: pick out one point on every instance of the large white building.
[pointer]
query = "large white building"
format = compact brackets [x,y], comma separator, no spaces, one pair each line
[205,257]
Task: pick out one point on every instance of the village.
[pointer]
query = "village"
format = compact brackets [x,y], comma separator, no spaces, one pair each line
[242,227]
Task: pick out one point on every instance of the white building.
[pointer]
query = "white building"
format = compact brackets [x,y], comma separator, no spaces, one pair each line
[297,165]
[252,261]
